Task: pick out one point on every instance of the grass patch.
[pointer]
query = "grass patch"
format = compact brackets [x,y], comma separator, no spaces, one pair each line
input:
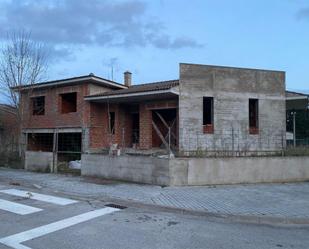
[298,151]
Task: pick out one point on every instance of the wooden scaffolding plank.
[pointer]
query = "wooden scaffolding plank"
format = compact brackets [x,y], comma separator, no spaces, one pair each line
[160,134]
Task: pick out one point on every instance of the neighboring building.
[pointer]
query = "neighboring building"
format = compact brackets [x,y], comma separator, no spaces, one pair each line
[298,104]
[9,130]
[209,109]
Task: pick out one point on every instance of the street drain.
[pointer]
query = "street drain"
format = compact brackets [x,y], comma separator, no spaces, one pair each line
[112,205]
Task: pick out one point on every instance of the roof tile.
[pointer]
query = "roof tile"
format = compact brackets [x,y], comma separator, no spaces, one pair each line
[155,86]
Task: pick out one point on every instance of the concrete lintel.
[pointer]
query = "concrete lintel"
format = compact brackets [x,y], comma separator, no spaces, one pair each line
[59,130]
[130,95]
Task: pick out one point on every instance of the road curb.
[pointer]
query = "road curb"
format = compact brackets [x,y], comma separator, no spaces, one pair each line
[253,219]
[241,218]
[263,220]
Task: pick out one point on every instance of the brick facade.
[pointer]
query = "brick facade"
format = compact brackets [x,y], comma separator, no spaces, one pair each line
[93,116]
[53,118]
[100,137]
[145,127]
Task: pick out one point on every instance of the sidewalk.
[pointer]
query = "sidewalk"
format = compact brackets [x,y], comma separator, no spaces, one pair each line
[284,203]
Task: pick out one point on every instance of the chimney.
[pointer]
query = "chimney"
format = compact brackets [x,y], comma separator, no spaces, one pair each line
[127,78]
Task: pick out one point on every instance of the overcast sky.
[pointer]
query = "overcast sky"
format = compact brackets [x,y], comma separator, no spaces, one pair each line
[150,38]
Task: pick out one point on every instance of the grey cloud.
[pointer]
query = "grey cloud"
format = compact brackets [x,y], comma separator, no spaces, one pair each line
[84,22]
[56,54]
[303,13]
[185,42]
[165,42]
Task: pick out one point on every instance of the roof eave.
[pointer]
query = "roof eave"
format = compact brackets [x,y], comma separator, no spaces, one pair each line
[68,82]
[127,95]
[298,98]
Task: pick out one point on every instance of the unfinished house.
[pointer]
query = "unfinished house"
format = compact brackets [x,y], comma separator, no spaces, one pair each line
[127,131]
[9,134]
[8,128]
[56,120]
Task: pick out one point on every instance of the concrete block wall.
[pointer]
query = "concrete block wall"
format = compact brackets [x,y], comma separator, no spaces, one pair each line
[196,171]
[38,161]
[140,169]
[231,89]
[212,171]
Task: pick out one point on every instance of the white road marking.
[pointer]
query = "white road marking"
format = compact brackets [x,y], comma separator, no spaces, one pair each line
[15,240]
[39,197]
[17,208]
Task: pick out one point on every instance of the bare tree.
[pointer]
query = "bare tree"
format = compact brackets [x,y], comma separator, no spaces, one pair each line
[23,61]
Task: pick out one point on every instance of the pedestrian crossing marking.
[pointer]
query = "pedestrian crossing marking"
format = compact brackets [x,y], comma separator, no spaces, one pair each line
[39,197]
[15,240]
[17,208]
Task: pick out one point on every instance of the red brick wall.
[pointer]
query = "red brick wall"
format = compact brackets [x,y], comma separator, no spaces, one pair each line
[93,116]
[9,130]
[100,136]
[53,116]
[148,136]
[145,125]
[125,126]
[8,120]
[98,127]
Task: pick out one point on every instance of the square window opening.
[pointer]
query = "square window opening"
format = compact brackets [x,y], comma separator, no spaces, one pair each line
[69,142]
[38,105]
[40,142]
[253,116]
[208,115]
[68,102]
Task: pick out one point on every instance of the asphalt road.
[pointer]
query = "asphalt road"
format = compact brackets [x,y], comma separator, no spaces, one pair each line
[33,221]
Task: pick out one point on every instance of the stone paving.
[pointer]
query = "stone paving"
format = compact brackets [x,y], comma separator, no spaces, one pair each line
[272,200]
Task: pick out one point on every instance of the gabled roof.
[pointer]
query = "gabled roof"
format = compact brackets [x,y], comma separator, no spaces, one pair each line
[75,80]
[7,108]
[140,88]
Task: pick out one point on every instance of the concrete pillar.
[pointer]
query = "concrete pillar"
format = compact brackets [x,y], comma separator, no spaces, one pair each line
[55,152]
[85,140]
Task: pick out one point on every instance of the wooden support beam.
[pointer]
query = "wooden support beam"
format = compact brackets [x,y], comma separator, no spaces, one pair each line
[162,119]
[166,125]
[160,134]
[172,133]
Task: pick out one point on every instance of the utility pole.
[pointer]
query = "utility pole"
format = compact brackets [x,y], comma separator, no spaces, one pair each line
[112,69]
[294,128]
[169,141]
